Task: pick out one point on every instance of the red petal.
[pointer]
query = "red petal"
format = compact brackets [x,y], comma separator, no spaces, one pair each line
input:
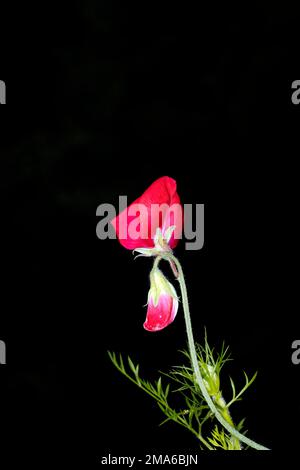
[134,229]
[160,316]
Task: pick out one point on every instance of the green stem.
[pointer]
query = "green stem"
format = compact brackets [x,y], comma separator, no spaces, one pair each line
[194,359]
[204,441]
[226,415]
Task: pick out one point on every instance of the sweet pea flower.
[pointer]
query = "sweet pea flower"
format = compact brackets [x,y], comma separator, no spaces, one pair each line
[162,302]
[153,222]
[152,226]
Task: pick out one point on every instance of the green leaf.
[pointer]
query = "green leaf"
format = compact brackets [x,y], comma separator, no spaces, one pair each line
[131,365]
[189,409]
[159,386]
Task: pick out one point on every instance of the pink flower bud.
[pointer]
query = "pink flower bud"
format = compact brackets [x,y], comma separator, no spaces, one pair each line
[162,302]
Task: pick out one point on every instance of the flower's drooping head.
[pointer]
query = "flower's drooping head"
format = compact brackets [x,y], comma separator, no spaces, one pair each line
[153,222]
[162,302]
[152,226]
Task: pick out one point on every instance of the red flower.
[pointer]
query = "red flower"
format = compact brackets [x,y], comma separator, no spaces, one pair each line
[154,221]
[162,302]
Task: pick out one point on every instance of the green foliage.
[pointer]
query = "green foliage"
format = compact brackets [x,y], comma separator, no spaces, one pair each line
[186,405]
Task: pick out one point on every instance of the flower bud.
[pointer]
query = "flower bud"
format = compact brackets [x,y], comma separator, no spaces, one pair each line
[162,302]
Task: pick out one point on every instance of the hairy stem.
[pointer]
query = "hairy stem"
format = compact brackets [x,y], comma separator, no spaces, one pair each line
[195,365]
[219,400]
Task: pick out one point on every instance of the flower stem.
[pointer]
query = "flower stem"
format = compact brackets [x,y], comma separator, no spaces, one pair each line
[195,363]
[219,400]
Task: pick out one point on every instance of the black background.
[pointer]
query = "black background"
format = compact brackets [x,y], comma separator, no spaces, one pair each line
[103,98]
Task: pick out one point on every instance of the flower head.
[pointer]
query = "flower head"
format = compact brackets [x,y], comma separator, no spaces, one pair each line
[153,222]
[162,302]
